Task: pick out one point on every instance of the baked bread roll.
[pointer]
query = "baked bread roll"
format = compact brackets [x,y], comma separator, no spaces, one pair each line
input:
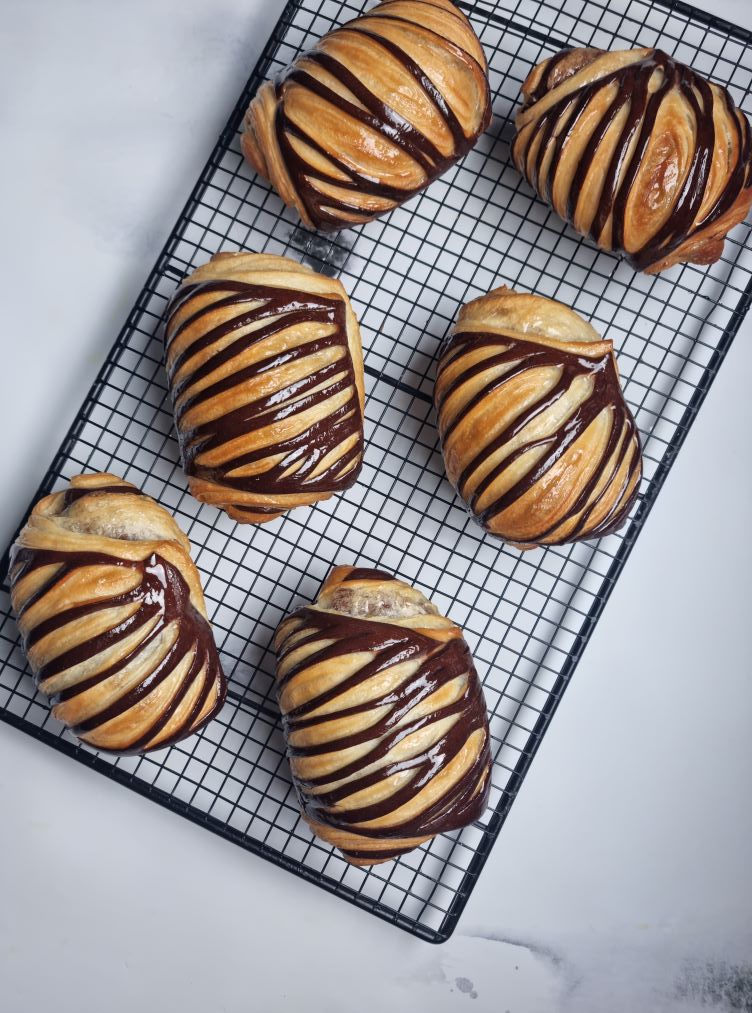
[637,152]
[265,369]
[112,617]
[384,717]
[537,438]
[374,113]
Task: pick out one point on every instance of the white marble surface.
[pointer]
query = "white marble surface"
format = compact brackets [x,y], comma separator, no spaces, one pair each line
[621,881]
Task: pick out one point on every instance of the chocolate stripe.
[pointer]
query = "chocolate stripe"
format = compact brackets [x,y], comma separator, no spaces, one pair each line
[75,493]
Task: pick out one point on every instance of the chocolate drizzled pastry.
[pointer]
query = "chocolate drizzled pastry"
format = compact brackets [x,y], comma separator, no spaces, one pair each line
[372,114]
[384,717]
[265,369]
[637,152]
[536,435]
[113,619]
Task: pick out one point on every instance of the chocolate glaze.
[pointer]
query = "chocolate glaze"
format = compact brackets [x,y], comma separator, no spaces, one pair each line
[558,124]
[547,76]
[162,595]
[523,356]
[284,308]
[253,511]
[440,663]
[377,115]
[75,493]
[362,573]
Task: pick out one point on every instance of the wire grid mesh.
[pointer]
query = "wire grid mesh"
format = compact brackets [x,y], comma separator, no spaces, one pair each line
[527,616]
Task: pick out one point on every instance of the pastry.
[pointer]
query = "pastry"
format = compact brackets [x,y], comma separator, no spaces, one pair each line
[112,617]
[265,369]
[372,114]
[536,435]
[384,717]
[637,152]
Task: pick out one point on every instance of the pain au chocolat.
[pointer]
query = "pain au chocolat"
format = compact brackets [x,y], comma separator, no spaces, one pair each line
[265,368]
[637,152]
[372,114]
[112,617]
[384,717]
[536,435]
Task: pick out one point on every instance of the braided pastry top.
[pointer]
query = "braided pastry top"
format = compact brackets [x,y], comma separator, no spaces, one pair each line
[638,152]
[384,717]
[265,368]
[536,435]
[376,111]
[113,619]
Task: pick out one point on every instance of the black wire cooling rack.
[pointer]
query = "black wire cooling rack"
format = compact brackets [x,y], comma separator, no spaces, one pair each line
[527,617]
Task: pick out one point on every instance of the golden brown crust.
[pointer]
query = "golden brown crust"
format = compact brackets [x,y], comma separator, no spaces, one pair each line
[384,717]
[376,111]
[536,436]
[112,615]
[265,367]
[637,152]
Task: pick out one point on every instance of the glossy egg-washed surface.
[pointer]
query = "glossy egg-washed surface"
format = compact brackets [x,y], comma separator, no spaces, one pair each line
[265,369]
[112,617]
[372,114]
[637,152]
[536,435]
[384,717]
